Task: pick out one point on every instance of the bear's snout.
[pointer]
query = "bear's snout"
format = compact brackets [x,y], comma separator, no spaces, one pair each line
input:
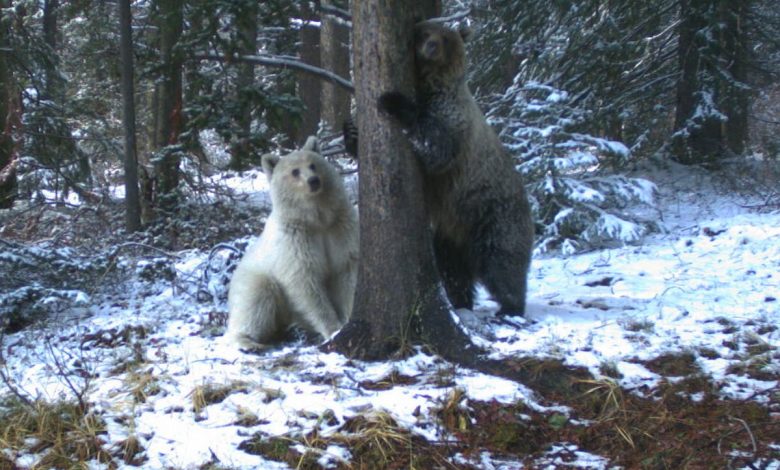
[314,183]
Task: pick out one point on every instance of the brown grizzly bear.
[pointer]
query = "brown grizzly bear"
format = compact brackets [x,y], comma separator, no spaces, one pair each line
[476,200]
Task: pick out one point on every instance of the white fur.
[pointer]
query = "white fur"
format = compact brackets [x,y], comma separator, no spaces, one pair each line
[303,269]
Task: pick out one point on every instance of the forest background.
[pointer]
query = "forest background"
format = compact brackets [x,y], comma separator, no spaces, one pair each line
[571,86]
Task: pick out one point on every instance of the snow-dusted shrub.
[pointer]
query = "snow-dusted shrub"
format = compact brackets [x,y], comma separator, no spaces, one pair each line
[41,280]
[51,159]
[576,196]
[28,304]
[155,269]
[221,263]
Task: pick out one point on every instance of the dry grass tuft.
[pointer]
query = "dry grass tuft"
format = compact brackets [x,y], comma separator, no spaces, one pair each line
[142,385]
[674,364]
[210,393]
[131,450]
[453,414]
[375,437]
[491,426]
[63,434]
[386,383]
[374,441]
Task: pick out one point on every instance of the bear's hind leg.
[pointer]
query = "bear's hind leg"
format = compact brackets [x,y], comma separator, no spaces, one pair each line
[505,275]
[456,272]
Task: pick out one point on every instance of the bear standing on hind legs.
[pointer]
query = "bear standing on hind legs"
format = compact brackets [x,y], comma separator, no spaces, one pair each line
[303,269]
[479,211]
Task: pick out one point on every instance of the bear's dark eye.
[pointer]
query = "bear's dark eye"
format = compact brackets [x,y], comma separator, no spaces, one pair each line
[296,172]
[312,167]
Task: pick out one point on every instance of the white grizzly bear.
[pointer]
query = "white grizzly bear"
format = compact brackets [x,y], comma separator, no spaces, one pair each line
[303,269]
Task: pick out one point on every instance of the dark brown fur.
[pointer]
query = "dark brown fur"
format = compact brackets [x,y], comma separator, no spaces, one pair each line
[476,200]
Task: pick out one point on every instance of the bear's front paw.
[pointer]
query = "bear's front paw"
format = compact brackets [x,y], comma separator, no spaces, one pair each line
[396,104]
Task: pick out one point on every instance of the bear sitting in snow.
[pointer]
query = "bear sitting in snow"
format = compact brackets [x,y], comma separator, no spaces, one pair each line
[303,269]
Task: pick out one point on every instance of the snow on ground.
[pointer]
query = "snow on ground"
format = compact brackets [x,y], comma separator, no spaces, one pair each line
[709,282]
[717,264]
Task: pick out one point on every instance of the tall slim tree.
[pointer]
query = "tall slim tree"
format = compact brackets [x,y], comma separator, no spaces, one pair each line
[399,295]
[246,25]
[169,117]
[737,58]
[132,203]
[51,140]
[7,157]
[309,86]
[712,89]
[697,121]
[52,79]
[334,53]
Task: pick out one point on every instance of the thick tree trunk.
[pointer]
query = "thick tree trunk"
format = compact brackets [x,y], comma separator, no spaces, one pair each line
[334,44]
[132,202]
[169,111]
[399,297]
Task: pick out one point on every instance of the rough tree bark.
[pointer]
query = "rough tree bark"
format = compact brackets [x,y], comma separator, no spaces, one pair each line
[53,83]
[132,202]
[309,86]
[334,53]
[399,297]
[58,148]
[7,157]
[246,23]
[169,106]
[697,136]
[712,93]
[738,56]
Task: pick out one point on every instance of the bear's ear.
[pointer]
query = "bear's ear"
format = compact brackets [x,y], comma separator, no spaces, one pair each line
[465,32]
[269,162]
[312,144]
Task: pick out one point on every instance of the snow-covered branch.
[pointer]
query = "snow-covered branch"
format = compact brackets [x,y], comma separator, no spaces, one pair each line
[284,62]
[447,19]
[337,12]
